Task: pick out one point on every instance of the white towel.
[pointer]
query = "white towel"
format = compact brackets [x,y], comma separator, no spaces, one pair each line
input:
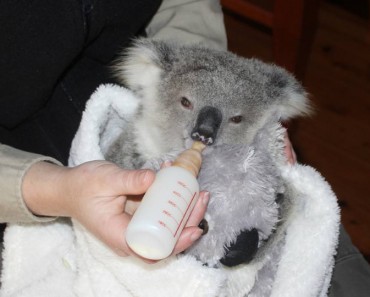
[62,259]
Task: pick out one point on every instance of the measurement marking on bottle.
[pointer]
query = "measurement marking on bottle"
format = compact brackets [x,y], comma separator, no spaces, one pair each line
[184,186]
[183,217]
[180,196]
[172,203]
[176,206]
[167,213]
[165,225]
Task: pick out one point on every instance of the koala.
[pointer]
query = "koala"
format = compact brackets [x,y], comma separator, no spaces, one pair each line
[189,92]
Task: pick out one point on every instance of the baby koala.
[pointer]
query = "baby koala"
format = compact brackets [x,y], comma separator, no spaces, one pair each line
[189,93]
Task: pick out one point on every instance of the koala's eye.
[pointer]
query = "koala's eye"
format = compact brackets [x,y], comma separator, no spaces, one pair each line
[236,119]
[186,103]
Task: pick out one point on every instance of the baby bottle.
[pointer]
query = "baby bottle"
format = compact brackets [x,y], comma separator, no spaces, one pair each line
[157,223]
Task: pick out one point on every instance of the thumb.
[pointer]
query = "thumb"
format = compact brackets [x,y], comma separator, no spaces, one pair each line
[136,181]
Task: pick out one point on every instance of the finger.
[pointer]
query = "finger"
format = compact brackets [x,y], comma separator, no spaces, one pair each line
[288,150]
[115,237]
[289,155]
[136,181]
[166,164]
[294,156]
[132,205]
[191,232]
[199,210]
[187,238]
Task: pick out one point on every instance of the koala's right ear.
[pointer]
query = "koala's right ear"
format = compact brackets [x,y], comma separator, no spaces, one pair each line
[141,66]
[292,98]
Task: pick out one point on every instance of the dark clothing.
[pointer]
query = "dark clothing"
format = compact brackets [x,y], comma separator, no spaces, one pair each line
[46,78]
[351,275]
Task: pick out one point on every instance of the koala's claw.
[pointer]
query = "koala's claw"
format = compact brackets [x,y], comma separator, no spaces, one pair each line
[242,250]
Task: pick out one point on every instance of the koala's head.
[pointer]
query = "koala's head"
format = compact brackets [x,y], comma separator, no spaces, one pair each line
[191,92]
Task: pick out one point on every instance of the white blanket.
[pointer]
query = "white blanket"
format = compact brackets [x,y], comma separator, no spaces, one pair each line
[62,259]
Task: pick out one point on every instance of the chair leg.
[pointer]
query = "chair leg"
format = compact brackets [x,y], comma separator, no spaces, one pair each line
[294,27]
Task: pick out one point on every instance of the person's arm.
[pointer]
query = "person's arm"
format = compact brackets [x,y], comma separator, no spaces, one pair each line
[98,194]
[13,166]
[190,21]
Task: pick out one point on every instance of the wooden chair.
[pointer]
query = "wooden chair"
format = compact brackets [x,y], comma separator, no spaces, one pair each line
[293,24]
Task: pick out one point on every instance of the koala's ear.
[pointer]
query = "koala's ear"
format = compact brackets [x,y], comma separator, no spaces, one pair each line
[291,97]
[142,64]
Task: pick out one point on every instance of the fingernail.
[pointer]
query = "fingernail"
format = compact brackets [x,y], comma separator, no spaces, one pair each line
[166,164]
[204,226]
[145,176]
[206,198]
[196,235]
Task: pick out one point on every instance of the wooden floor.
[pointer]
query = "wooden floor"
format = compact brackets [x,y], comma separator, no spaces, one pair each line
[336,140]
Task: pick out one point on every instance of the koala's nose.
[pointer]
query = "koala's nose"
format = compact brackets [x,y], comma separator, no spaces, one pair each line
[207,125]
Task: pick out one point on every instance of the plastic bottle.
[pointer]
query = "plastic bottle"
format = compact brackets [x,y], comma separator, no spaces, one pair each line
[166,206]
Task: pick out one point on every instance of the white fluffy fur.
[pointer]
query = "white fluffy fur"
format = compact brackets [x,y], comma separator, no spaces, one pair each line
[139,69]
[141,73]
[297,105]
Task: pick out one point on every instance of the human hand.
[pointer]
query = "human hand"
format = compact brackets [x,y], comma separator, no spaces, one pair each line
[102,197]
[288,150]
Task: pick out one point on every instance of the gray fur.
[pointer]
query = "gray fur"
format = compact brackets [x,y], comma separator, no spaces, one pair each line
[161,74]
[244,183]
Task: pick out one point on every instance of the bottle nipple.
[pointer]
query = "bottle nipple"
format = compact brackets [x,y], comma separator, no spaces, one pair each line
[191,159]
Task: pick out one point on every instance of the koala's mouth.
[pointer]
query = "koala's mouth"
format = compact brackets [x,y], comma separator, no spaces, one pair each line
[207,125]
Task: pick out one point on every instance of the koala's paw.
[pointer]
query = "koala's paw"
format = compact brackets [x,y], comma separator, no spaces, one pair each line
[242,250]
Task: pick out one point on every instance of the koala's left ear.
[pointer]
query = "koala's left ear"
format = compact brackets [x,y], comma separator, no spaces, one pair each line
[142,64]
[291,97]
